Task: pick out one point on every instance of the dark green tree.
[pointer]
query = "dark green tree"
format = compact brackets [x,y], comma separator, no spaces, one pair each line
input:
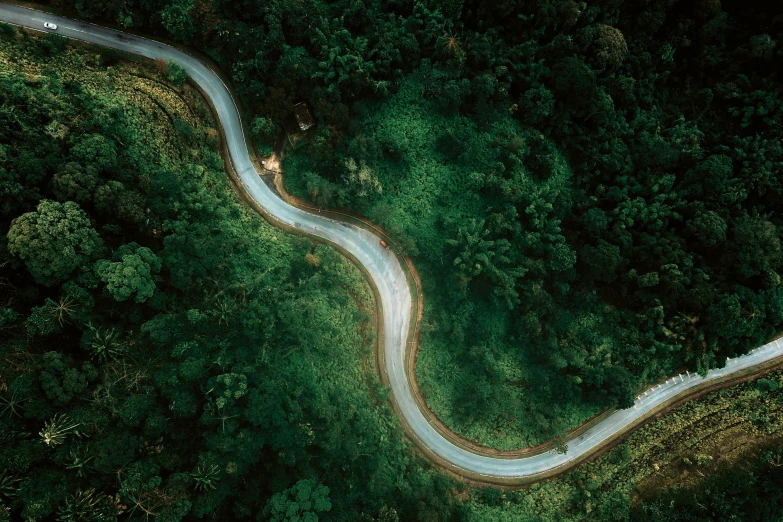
[131,275]
[54,241]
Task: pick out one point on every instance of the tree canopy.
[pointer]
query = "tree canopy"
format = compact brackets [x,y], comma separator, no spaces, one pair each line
[589,191]
[166,353]
[54,240]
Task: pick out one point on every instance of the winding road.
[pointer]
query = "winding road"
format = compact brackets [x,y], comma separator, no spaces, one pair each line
[392,285]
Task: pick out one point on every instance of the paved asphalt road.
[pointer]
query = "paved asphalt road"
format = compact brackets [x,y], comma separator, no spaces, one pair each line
[382,266]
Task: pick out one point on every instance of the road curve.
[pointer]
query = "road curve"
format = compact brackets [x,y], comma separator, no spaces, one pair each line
[389,279]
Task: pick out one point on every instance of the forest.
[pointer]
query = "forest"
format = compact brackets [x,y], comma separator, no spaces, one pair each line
[164,352]
[589,191]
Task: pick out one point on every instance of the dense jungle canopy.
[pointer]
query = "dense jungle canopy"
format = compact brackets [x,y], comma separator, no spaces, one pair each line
[590,191]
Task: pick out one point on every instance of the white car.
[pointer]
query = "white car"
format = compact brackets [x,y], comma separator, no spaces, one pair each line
[50,25]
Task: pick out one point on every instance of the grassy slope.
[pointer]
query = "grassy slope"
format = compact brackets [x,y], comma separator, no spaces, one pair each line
[425,196]
[719,431]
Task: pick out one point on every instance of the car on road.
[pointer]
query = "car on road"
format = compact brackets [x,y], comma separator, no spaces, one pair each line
[50,25]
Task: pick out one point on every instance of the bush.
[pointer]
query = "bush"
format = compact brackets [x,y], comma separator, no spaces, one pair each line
[175,73]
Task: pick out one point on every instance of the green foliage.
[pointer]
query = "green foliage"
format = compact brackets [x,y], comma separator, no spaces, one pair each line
[207,365]
[12,403]
[710,228]
[730,471]
[8,485]
[537,104]
[205,477]
[54,240]
[75,183]
[229,387]
[301,502]
[8,30]
[749,493]
[80,460]
[621,161]
[175,18]
[131,274]
[102,343]
[7,316]
[61,382]
[451,188]
[88,506]
[57,429]
[609,46]
[266,132]
[574,82]
[95,151]
[360,179]
[605,174]
[767,385]
[175,73]
[264,129]
[42,321]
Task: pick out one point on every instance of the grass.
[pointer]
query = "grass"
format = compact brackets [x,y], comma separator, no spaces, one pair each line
[721,430]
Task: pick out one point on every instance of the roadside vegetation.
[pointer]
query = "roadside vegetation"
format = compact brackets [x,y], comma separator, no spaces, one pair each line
[712,459]
[164,352]
[591,193]
[470,370]
[590,190]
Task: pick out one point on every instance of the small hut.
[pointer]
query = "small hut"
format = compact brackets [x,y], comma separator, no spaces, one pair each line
[303,116]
